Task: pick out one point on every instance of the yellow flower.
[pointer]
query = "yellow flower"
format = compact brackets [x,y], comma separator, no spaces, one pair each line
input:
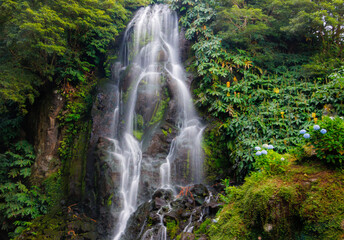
[228,84]
[313,115]
[228,94]
[276,90]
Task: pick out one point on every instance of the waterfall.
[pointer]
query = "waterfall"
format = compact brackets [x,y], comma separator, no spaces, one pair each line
[147,76]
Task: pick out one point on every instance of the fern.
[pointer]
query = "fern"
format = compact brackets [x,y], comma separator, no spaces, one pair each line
[19,202]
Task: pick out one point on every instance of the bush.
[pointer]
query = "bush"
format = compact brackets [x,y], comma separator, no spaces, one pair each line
[272,162]
[328,140]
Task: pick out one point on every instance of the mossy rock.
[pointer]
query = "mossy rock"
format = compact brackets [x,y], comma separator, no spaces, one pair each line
[305,202]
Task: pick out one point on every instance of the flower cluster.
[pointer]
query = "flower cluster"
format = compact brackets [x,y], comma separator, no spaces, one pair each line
[316,128]
[264,152]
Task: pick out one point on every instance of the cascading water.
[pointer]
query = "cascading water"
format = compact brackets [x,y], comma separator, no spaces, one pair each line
[148,75]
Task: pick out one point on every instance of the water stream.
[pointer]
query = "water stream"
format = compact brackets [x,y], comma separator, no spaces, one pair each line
[149,74]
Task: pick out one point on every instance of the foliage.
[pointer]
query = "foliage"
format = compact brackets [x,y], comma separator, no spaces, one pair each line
[329,146]
[58,43]
[272,163]
[253,78]
[50,44]
[77,108]
[19,202]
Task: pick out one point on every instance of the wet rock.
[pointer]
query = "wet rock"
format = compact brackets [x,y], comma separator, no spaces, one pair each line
[158,145]
[187,236]
[162,56]
[187,211]
[199,193]
[137,221]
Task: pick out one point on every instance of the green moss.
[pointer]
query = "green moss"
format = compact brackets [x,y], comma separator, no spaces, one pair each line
[138,134]
[216,158]
[204,227]
[139,120]
[230,225]
[159,111]
[53,186]
[304,202]
[172,228]
[109,201]
[164,132]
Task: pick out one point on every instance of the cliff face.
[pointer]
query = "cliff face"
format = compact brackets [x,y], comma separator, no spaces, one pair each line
[43,129]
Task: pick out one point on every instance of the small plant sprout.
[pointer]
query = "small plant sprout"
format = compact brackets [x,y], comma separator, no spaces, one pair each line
[257,148]
[258,153]
[306,135]
[303,131]
[265,145]
[270,147]
[316,127]
[264,152]
[323,131]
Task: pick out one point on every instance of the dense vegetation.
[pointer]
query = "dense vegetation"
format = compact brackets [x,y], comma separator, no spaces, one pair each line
[264,70]
[45,45]
[267,70]
[262,75]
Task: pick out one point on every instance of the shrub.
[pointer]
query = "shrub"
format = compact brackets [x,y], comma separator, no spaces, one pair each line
[271,162]
[328,140]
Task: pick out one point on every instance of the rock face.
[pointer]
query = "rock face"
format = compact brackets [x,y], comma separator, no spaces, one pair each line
[102,169]
[184,213]
[43,128]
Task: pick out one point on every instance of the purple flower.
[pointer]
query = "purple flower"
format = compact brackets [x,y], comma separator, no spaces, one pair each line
[306,135]
[257,148]
[264,152]
[316,127]
[323,131]
[270,147]
[303,131]
[258,153]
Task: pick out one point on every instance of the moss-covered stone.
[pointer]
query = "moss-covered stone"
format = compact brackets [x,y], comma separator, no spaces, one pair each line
[172,228]
[305,202]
